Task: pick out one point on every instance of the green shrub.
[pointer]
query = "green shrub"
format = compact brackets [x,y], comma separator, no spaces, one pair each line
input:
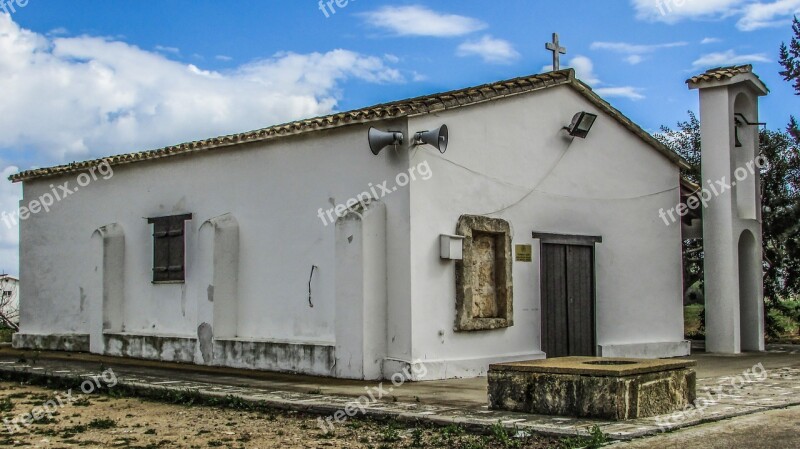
[5,334]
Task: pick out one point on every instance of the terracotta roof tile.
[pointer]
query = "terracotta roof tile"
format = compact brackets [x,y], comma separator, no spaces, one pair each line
[721,73]
[404,108]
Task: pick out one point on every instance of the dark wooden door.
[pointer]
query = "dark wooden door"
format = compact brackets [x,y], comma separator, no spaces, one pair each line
[568,300]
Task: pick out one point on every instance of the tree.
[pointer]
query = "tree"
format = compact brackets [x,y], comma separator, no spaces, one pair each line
[686,142]
[780,184]
[790,58]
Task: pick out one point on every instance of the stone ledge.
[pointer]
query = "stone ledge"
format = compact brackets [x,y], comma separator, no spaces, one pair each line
[240,353]
[593,366]
[150,347]
[311,359]
[54,342]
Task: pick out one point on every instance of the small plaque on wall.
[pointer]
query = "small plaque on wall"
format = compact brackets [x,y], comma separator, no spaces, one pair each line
[524,253]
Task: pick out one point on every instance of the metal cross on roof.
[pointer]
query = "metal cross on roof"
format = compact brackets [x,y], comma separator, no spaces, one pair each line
[557,50]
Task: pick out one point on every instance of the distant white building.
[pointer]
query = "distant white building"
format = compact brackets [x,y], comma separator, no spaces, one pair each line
[294,248]
[9,301]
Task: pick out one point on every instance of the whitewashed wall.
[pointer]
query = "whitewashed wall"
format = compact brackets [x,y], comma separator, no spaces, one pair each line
[273,190]
[612,185]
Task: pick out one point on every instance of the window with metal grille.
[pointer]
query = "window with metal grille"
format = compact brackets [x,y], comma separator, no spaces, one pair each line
[169,248]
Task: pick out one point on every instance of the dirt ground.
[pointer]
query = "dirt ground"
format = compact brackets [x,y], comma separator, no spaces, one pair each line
[100,421]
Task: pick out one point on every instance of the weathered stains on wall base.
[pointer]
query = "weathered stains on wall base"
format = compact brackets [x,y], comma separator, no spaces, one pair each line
[150,347]
[205,337]
[70,343]
[611,398]
[284,357]
[315,360]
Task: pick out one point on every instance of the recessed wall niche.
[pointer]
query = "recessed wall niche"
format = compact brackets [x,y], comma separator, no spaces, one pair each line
[484,286]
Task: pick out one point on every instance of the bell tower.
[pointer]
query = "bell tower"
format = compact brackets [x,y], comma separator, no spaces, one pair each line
[731,196]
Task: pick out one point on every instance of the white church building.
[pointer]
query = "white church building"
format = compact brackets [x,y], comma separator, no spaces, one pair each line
[297,249]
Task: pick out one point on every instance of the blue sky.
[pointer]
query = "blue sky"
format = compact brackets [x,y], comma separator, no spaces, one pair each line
[81,79]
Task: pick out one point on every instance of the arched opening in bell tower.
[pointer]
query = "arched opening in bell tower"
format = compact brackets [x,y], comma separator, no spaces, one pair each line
[750,278]
[744,168]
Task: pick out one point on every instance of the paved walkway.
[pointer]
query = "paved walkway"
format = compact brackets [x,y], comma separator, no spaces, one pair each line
[729,386]
[743,432]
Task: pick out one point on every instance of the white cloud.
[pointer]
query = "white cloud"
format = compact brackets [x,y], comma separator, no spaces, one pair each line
[60,31]
[584,69]
[78,97]
[419,20]
[492,50]
[752,14]
[634,59]
[727,58]
[631,93]
[163,49]
[223,58]
[673,11]
[635,52]
[710,40]
[624,47]
[763,15]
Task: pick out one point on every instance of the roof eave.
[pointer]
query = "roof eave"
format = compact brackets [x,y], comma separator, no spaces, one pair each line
[755,83]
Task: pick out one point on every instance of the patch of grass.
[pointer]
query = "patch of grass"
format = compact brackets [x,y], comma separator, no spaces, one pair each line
[82,402]
[102,423]
[417,438]
[596,440]
[390,434]
[5,334]
[505,437]
[44,421]
[692,321]
[6,405]
[70,432]
[786,320]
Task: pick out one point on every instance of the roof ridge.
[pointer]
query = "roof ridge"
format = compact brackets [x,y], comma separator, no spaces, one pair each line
[394,109]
